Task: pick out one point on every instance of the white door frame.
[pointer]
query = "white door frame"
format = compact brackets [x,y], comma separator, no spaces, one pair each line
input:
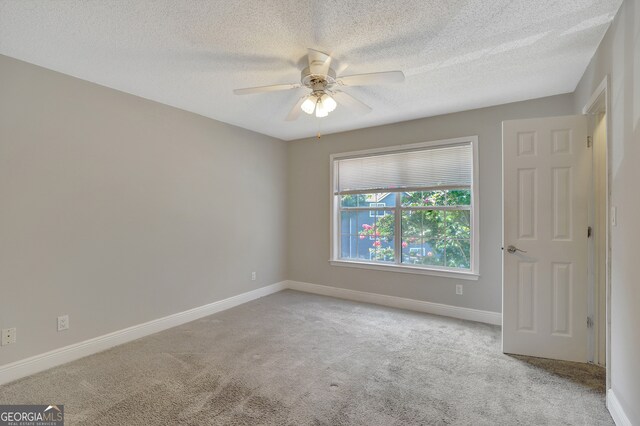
[599,103]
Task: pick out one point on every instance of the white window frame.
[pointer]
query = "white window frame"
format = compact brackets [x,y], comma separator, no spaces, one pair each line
[471,274]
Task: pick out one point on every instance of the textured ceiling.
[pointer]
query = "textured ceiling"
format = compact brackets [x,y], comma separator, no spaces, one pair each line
[457,55]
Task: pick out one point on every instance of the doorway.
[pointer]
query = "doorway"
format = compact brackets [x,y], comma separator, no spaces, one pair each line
[602,217]
[556,235]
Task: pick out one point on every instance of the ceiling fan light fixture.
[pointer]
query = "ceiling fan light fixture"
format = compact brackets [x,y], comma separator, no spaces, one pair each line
[309,104]
[321,109]
[328,103]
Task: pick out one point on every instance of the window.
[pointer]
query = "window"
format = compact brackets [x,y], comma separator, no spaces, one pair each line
[409,208]
[377,213]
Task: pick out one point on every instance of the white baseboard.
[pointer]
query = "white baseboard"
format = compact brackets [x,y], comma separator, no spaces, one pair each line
[618,414]
[37,363]
[487,317]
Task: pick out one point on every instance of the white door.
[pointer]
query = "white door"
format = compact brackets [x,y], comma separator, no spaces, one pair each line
[546,170]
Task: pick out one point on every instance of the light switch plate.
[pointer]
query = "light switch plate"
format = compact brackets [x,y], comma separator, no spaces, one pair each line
[63,322]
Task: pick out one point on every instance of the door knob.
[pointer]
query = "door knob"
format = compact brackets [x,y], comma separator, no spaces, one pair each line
[513,249]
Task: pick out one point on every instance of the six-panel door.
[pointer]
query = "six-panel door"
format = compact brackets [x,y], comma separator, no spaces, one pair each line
[546,172]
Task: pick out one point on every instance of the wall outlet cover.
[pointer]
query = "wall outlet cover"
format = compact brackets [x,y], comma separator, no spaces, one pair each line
[8,336]
[458,288]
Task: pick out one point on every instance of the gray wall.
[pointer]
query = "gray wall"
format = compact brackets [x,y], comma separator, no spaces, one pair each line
[117,210]
[309,203]
[619,57]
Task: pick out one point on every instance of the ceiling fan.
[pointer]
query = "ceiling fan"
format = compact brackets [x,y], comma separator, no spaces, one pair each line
[324,84]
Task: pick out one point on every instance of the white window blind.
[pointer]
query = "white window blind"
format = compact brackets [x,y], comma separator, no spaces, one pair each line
[433,167]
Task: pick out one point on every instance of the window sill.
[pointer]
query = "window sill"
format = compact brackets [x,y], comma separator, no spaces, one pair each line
[407,269]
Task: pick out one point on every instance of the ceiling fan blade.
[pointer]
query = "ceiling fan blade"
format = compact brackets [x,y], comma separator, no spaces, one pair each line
[351,102]
[341,68]
[296,110]
[372,78]
[319,62]
[265,89]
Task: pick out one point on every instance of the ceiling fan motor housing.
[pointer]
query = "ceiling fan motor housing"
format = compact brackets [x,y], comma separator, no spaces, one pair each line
[317,81]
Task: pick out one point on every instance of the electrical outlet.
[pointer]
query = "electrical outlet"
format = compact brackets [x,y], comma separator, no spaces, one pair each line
[63,322]
[8,336]
[253,276]
[458,288]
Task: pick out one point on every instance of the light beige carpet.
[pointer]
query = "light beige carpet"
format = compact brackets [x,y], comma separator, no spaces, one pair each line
[298,359]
